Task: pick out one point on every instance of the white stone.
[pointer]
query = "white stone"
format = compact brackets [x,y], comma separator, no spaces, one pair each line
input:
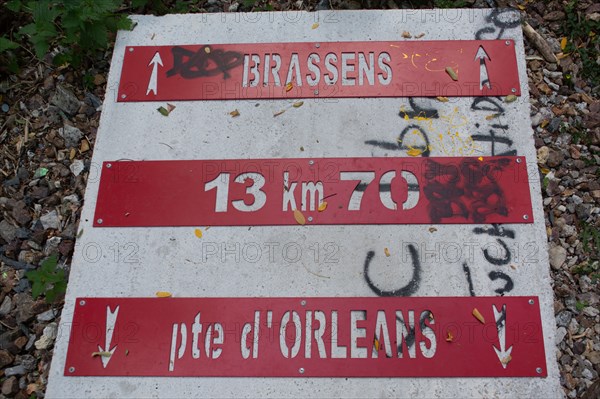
[50,220]
[77,167]
[558,256]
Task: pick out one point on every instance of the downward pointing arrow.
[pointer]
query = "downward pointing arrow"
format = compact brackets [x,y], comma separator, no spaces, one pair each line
[111,320]
[502,353]
[152,84]
[484,79]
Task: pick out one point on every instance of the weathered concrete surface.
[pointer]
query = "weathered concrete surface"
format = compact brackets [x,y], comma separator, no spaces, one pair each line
[144,261]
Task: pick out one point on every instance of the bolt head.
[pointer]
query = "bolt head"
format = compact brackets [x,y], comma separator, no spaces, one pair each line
[99,221]
[82,302]
[301,370]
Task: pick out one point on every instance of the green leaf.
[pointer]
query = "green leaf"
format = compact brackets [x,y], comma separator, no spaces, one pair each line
[138,3]
[14,5]
[6,44]
[124,23]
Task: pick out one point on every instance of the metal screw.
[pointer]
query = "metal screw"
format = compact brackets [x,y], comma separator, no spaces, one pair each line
[82,302]
[131,49]
[301,370]
[71,369]
[507,42]
[525,217]
[303,302]
[123,95]
[538,370]
[108,165]
[531,301]
[518,160]
[99,221]
[316,92]
[317,45]
[310,218]
[513,90]
[311,162]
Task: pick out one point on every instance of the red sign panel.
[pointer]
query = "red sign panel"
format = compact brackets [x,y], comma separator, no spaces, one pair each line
[306,70]
[310,337]
[445,190]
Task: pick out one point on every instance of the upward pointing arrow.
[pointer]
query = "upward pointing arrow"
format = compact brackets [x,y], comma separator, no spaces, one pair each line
[502,353]
[152,84]
[111,320]
[484,79]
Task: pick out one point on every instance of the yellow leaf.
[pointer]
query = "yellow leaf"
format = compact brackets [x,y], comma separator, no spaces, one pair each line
[299,217]
[103,354]
[289,86]
[376,343]
[72,154]
[298,104]
[406,35]
[510,98]
[492,116]
[521,7]
[442,99]
[322,206]
[563,43]
[414,152]
[163,294]
[478,316]
[315,25]
[544,123]
[198,233]
[85,146]
[234,113]
[386,251]
[449,337]
[480,159]
[207,50]
[452,74]
[545,170]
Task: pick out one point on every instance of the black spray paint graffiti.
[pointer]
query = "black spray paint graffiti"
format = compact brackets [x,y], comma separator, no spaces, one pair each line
[205,62]
[500,233]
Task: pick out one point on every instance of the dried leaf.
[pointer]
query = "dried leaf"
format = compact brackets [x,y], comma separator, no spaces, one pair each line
[414,152]
[449,337]
[506,360]
[298,104]
[207,50]
[442,99]
[452,74]
[289,86]
[478,316]
[170,107]
[420,35]
[432,229]
[545,170]
[72,154]
[513,267]
[163,111]
[103,354]
[544,123]
[480,159]
[511,98]
[563,43]
[85,146]
[300,219]
[234,113]
[386,251]
[315,25]
[322,206]
[521,7]
[278,113]
[80,233]
[163,294]
[492,116]
[198,233]
[406,35]
[126,352]
[376,343]
[301,148]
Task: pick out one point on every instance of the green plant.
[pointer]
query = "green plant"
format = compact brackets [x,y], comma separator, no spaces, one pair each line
[449,3]
[48,279]
[580,305]
[582,40]
[590,237]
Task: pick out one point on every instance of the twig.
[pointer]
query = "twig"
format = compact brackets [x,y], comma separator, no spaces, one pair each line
[539,42]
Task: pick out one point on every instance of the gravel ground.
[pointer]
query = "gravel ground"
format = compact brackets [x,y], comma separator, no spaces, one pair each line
[48,124]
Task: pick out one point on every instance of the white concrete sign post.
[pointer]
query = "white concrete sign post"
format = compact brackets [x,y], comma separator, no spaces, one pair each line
[303,261]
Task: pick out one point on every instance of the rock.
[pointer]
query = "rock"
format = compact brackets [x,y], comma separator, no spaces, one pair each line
[5,358]
[554,159]
[27,257]
[21,214]
[10,386]
[99,79]
[558,256]
[28,361]
[542,155]
[65,100]
[77,167]
[561,333]
[15,370]
[71,134]
[233,7]
[52,245]
[48,337]
[73,198]
[23,307]
[50,220]
[593,392]
[8,232]
[46,316]
[5,307]
[591,311]
[563,318]
[594,357]
[583,211]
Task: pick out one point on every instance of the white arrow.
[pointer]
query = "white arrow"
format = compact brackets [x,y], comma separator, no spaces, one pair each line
[500,317]
[484,79]
[111,320]
[153,83]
